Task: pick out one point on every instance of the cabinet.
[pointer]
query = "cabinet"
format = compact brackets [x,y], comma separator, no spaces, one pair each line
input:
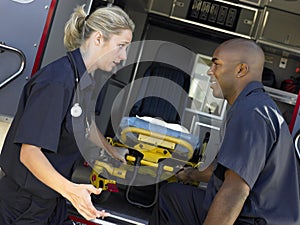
[160,7]
[205,112]
[223,16]
[272,24]
[254,2]
[280,29]
[203,102]
[292,6]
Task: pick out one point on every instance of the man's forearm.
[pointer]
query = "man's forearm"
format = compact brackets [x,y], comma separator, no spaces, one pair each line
[229,201]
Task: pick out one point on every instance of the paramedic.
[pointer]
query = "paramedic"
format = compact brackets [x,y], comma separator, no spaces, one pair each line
[40,149]
[254,178]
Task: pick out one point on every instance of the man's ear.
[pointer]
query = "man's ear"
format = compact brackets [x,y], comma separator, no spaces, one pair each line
[243,70]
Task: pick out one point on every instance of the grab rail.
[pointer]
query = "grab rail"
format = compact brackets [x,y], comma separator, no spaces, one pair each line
[4,47]
[296,143]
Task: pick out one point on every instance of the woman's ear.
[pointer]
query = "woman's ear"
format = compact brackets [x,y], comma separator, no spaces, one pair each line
[98,38]
[243,70]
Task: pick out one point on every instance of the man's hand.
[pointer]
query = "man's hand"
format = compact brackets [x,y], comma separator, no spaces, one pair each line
[191,175]
[188,175]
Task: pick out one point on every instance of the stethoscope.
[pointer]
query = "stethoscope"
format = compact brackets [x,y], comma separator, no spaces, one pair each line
[76,109]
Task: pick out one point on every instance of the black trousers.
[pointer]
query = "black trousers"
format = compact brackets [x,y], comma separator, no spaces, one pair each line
[178,204]
[18,207]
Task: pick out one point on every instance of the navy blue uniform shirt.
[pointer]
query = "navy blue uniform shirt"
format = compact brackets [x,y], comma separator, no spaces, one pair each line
[258,147]
[43,119]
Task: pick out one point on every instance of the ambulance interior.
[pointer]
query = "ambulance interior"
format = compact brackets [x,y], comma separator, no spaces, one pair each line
[168,59]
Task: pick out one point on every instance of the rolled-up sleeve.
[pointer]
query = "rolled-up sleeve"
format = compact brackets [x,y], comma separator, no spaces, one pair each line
[245,146]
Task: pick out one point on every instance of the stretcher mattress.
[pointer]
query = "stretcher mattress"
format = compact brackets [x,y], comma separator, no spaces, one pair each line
[162,128]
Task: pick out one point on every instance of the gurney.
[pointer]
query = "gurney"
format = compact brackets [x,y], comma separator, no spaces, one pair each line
[155,152]
[156,146]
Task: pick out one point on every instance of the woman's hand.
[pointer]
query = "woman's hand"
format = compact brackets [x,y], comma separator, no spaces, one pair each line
[118,153]
[97,138]
[80,197]
[78,194]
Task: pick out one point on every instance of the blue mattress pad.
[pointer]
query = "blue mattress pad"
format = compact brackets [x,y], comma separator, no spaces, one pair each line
[140,123]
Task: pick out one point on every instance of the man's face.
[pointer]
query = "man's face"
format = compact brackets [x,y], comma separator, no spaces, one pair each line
[113,51]
[222,74]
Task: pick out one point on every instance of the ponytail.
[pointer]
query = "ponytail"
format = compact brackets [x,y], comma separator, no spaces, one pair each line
[107,20]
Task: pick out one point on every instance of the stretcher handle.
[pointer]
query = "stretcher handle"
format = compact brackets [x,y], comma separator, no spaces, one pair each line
[4,47]
[184,143]
[147,163]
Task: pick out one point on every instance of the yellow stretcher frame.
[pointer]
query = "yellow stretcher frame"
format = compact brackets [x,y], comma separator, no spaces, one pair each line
[178,141]
[154,146]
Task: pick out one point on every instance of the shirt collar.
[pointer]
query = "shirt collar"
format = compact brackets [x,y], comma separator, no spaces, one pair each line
[248,89]
[254,85]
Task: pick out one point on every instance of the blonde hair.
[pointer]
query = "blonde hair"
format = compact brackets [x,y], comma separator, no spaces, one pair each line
[107,20]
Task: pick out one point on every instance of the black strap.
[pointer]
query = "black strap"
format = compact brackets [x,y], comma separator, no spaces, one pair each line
[74,68]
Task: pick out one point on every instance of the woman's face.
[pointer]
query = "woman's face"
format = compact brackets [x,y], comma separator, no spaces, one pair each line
[113,50]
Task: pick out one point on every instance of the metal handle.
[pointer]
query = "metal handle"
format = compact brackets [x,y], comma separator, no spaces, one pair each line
[22,57]
[296,142]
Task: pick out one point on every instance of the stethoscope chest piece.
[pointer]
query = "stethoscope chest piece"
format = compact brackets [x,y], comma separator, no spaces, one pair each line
[76,110]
